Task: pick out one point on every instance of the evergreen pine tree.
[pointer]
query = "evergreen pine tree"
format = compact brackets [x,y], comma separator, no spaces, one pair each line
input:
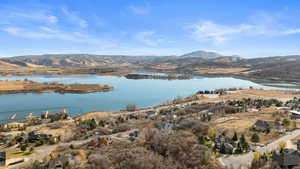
[201,140]
[238,149]
[242,139]
[255,138]
[223,149]
[235,137]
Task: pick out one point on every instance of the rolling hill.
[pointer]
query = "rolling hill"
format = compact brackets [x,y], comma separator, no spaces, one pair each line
[286,68]
[202,54]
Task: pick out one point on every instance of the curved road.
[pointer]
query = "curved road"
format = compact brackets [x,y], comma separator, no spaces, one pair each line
[245,160]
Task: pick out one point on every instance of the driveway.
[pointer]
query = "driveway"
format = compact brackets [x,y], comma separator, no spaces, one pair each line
[245,160]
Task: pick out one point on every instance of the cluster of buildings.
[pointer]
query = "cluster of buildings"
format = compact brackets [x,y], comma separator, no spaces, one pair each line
[268,126]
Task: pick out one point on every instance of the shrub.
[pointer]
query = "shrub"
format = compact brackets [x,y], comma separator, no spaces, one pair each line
[23,147]
[39,143]
[201,140]
[255,138]
[282,145]
[286,122]
[89,124]
[212,133]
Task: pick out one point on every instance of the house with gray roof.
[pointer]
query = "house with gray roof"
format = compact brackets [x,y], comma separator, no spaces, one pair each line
[262,126]
[287,158]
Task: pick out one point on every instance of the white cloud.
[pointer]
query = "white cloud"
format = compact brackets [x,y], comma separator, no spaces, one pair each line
[48,33]
[52,19]
[149,38]
[139,10]
[44,25]
[145,37]
[47,29]
[19,32]
[75,19]
[12,16]
[292,31]
[218,33]
[208,30]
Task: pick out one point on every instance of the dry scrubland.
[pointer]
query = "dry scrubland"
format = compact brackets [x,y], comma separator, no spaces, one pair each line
[12,71]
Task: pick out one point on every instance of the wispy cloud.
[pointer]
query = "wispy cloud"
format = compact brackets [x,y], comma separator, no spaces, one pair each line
[292,31]
[42,24]
[139,9]
[208,30]
[47,29]
[19,32]
[263,25]
[49,33]
[38,16]
[149,38]
[16,16]
[75,18]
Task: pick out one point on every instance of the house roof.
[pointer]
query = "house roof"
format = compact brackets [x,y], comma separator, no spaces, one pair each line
[223,139]
[228,146]
[166,126]
[295,112]
[262,123]
[288,157]
[149,113]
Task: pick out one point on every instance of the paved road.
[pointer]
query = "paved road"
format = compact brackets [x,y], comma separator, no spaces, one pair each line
[245,160]
[44,151]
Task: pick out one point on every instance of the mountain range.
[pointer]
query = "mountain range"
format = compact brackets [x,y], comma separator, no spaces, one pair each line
[276,67]
[57,60]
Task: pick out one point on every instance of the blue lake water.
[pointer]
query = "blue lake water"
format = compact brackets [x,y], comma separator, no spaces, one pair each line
[143,93]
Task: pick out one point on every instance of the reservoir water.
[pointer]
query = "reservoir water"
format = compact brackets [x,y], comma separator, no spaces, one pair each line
[143,93]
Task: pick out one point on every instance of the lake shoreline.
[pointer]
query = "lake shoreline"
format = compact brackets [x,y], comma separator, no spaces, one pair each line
[263,81]
[143,93]
[127,71]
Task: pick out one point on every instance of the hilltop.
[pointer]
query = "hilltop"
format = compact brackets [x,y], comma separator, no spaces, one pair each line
[202,54]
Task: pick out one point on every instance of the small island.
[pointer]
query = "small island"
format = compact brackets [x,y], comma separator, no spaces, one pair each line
[164,77]
[26,86]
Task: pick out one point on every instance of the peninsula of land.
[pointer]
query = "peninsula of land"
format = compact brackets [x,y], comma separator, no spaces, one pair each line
[10,87]
[165,77]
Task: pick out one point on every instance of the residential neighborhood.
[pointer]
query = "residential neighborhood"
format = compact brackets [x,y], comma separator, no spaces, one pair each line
[209,123]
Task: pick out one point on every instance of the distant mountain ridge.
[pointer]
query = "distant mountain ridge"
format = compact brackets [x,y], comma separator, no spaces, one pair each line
[276,67]
[85,60]
[196,59]
[202,54]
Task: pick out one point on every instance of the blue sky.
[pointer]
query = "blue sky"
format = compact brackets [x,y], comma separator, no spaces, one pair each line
[249,28]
